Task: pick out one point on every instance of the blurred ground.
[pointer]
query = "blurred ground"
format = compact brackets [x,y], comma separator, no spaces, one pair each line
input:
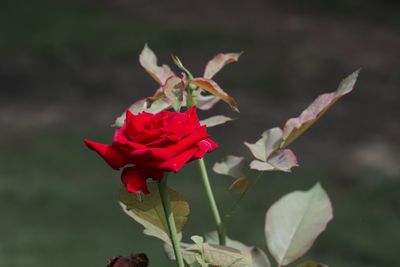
[68,68]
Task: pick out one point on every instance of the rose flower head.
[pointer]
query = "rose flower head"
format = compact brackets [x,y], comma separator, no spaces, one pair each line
[152,144]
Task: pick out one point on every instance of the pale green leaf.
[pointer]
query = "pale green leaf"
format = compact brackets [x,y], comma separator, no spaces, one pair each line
[259,258]
[215,120]
[269,142]
[221,255]
[295,221]
[149,211]
[199,241]
[218,62]
[294,127]
[281,160]
[231,165]
[204,102]
[269,156]
[148,60]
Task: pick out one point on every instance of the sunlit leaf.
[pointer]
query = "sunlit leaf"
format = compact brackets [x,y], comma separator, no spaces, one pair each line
[294,222]
[294,127]
[173,90]
[215,120]
[312,264]
[214,89]
[218,62]
[149,212]
[148,60]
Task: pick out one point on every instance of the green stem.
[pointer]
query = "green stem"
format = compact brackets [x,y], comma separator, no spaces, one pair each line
[213,205]
[162,187]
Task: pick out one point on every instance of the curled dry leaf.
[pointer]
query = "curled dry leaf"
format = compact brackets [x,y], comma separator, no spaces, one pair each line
[294,127]
[218,62]
[239,185]
[148,60]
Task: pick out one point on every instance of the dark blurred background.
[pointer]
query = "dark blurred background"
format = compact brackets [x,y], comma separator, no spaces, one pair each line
[69,68]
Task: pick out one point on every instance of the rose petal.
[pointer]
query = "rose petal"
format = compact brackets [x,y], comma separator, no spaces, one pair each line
[120,138]
[189,141]
[134,178]
[204,146]
[151,154]
[176,163]
[115,159]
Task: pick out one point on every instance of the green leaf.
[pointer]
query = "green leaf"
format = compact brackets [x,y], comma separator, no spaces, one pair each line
[311,264]
[204,102]
[269,142]
[214,89]
[231,165]
[269,156]
[215,120]
[148,60]
[294,222]
[221,255]
[179,64]
[173,90]
[294,127]
[259,258]
[218,62]
[149,211]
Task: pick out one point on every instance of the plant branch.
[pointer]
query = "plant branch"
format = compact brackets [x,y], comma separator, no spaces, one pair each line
[169,216]
[213,205]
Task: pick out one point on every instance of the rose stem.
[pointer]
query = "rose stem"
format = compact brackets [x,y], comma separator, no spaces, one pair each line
[162,187]
[213,204]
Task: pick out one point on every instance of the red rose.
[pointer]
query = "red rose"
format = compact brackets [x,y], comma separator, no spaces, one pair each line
[154,144]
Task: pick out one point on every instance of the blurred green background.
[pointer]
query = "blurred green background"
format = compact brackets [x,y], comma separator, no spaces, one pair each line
[68,68]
